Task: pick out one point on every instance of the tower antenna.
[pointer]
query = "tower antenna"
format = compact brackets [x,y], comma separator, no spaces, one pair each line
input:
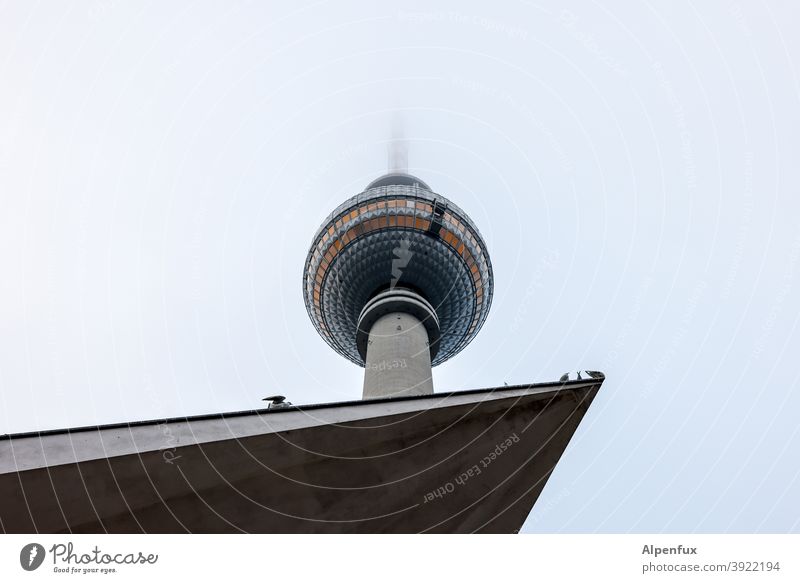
[398,147]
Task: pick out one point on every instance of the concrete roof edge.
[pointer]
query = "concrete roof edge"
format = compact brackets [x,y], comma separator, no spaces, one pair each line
[571,384]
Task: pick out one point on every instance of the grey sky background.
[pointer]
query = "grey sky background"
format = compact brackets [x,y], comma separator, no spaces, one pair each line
[632,167]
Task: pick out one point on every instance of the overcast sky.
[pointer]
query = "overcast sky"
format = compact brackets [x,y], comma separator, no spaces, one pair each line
[634,169]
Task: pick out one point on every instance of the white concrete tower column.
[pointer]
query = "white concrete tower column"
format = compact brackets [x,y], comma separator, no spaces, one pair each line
[398,335]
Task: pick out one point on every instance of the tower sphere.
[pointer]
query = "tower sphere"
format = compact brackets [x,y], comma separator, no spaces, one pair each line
[398,235]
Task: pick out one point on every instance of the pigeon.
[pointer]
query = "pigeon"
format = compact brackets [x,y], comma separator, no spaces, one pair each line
[564,377]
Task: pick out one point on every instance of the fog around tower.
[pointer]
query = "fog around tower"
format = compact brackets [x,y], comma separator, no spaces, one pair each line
[398,146]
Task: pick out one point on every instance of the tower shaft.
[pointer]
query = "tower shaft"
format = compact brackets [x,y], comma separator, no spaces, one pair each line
[398,359]
[398,336]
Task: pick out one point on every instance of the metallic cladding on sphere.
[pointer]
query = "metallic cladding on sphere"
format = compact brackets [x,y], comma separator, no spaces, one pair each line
[398,232]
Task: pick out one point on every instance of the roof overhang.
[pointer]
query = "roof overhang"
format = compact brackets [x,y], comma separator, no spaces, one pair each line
[448,462]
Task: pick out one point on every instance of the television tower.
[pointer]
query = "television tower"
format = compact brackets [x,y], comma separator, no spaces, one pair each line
[398,279]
